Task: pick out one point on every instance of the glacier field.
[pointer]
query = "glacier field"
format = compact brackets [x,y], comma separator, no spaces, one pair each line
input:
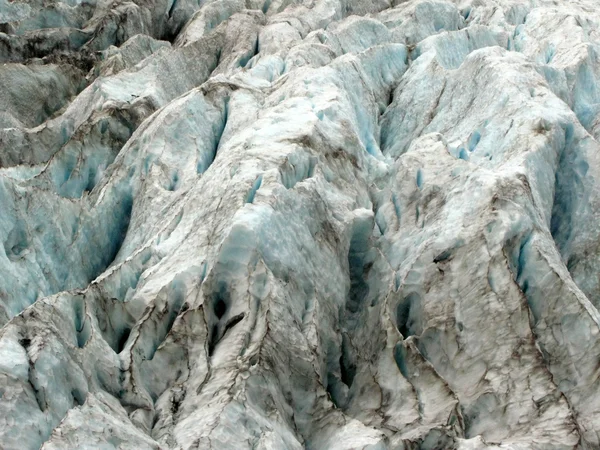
[300,224]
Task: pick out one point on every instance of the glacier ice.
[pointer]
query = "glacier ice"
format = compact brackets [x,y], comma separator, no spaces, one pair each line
[288,224]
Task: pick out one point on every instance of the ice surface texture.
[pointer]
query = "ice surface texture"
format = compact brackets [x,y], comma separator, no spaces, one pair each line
[300,224]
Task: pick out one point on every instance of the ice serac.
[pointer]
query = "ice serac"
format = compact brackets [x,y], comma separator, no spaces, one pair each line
[300,224]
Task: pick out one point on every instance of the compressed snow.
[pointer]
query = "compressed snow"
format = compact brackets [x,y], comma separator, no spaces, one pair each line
[280,224]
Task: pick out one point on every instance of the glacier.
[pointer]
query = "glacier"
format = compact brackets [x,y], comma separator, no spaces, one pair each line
[300,224]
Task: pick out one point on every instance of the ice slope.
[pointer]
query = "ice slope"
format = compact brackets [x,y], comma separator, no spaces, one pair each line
[300,224]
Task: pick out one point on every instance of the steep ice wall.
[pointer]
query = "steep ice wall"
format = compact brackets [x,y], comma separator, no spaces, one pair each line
[300,224]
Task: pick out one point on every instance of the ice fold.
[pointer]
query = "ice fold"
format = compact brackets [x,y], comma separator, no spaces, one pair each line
[280,224]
